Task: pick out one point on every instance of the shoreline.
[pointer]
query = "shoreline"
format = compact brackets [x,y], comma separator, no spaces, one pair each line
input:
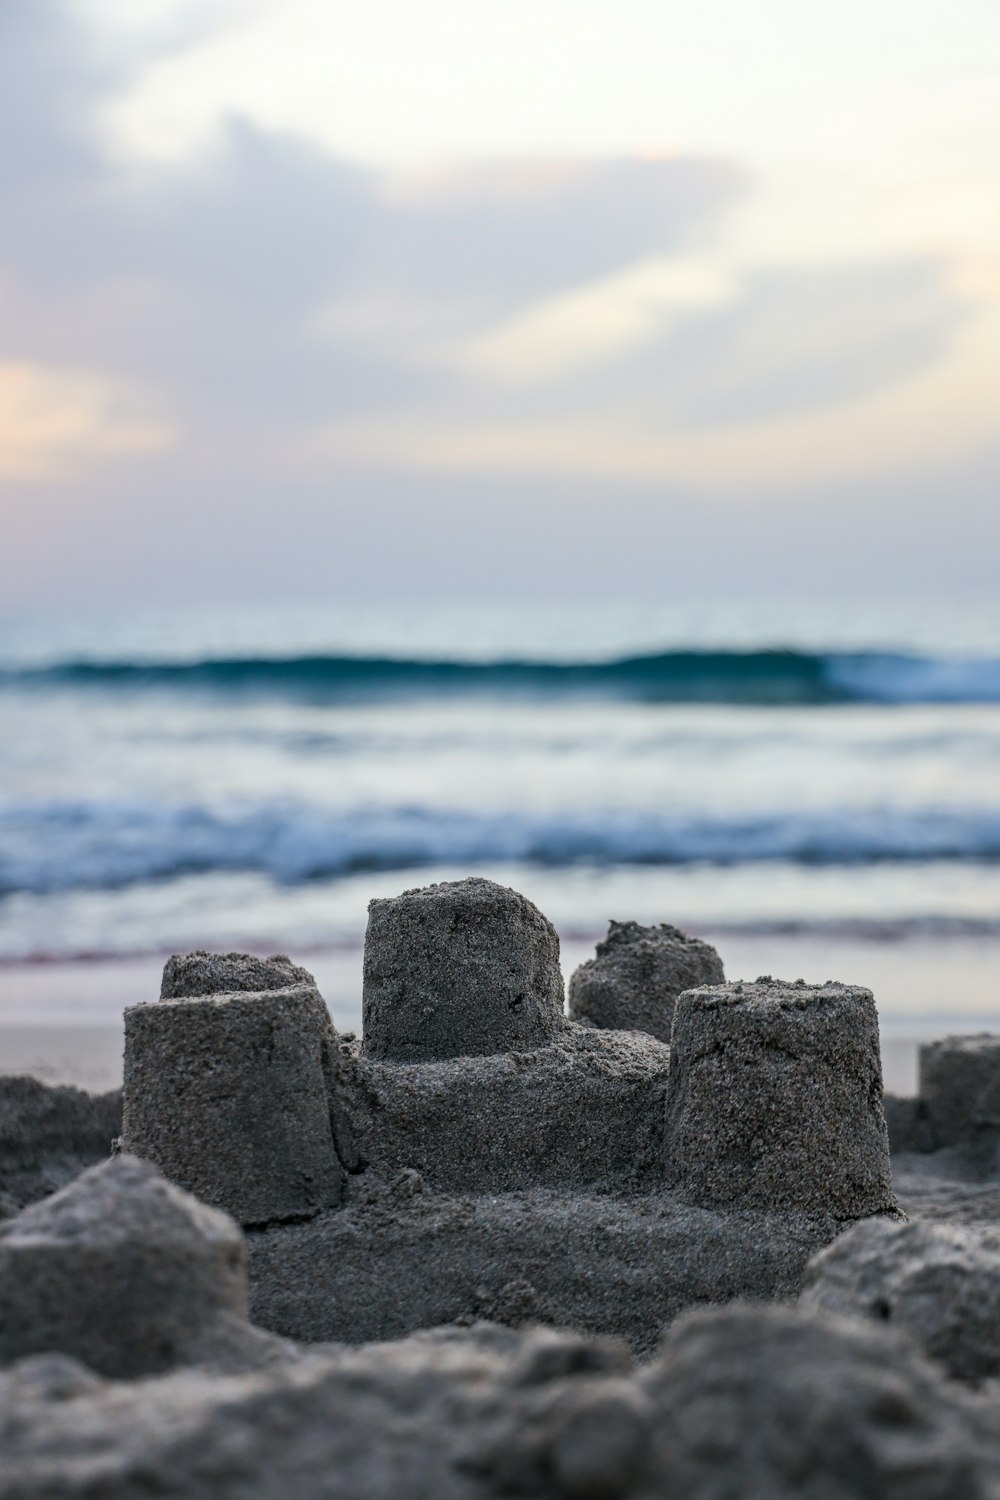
[62,1021]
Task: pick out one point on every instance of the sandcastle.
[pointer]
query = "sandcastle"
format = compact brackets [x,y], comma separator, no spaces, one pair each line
[477,1153]
[476,1166]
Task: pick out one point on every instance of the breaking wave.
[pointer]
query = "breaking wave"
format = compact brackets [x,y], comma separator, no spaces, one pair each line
[59,846]
[765,677]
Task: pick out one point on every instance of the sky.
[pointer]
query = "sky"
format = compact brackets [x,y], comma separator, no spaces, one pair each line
[536,300]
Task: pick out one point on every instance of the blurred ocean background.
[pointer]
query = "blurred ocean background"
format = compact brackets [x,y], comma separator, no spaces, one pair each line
[816,793]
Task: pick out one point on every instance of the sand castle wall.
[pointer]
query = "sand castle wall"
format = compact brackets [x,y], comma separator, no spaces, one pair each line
[586,1111]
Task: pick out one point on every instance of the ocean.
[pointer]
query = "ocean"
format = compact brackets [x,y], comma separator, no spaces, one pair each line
[815,791]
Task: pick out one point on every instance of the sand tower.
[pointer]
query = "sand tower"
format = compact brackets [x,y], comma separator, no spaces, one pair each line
[226,1090]
[461,969]
[775,1099]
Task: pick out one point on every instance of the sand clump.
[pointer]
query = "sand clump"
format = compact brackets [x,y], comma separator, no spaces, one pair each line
[633,982]
[739,1401]
[125,1272]
[772,1402]
[940,1282]
[49,1135]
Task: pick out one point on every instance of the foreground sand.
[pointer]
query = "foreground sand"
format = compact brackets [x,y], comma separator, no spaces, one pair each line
[899,1398]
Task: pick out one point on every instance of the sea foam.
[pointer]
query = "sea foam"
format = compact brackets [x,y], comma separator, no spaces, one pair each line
[68,845]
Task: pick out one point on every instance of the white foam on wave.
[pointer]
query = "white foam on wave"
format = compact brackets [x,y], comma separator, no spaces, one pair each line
[66,845]
[893,678]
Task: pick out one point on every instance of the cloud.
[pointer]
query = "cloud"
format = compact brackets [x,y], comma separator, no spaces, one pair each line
[718,376]
[54,421]
[598,323]
[261,330]
[265,282]
[267,279]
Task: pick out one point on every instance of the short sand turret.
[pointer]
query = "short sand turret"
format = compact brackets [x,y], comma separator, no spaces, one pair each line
[226,1090]
[633,982]
[774,1099]
[959,1088]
